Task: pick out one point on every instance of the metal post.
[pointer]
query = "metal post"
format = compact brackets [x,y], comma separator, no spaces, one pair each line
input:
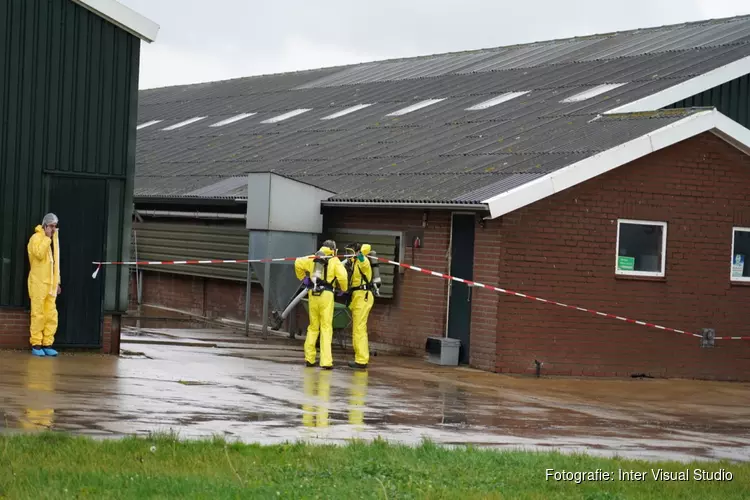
[248,294]
[266,294]
[138,280]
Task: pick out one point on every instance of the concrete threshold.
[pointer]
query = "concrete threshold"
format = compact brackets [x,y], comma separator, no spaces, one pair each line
[153,341]
[238,327]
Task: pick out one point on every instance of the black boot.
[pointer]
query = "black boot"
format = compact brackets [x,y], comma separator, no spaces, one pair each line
[352,364]
[310,365]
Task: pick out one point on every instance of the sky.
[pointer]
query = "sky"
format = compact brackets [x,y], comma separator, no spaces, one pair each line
[209,40]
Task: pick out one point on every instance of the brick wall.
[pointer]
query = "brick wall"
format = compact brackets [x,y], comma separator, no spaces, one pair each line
[210,298]
[417,311]
[563,248]
[14,331]
[418,308]
[484,305]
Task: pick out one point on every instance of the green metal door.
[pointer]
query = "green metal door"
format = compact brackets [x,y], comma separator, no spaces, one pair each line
[81,205]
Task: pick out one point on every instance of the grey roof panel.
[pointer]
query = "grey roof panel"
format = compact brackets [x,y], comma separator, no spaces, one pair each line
[501,186]
[442,152]
[220,189]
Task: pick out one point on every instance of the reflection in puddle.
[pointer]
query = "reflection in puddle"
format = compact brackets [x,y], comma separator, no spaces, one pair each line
[318,387]
[357,399]
[268,402]
[39,377]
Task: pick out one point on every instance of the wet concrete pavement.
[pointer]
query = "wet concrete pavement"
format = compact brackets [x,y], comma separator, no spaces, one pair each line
[202,383]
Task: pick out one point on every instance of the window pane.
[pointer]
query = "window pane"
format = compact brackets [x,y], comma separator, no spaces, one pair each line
[640,247]
[740,268]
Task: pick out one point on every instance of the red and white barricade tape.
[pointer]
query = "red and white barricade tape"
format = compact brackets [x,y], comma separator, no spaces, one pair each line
[196,262]
[421,270]
[545,301]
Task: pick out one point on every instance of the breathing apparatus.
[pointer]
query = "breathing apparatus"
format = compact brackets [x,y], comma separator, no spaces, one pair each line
[356,250]
[375,265]
[320,267]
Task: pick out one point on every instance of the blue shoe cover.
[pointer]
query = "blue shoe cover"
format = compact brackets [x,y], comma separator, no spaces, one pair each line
[38,352]
[50,352]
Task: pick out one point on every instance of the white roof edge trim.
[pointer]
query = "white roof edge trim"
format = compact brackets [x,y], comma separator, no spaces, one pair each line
[688,88]
[732,132]
[593,166]
[123,17]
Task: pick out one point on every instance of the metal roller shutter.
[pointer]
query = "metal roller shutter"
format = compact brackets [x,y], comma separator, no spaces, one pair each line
[187,240]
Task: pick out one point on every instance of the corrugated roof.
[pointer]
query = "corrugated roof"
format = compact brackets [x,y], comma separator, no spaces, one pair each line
[442,152]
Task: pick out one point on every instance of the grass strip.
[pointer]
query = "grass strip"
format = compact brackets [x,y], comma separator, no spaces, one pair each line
[55,465]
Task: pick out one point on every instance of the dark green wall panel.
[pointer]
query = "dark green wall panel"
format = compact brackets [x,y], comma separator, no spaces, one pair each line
[731,99]
[68,106]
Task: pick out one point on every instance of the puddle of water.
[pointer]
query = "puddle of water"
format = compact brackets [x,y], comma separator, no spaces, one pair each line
[199,392]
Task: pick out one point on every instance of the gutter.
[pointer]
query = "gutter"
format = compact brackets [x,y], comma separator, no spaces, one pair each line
[473,207]
[191,215]
[158,200]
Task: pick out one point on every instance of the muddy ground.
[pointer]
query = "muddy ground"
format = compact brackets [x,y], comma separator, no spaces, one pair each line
[207,382]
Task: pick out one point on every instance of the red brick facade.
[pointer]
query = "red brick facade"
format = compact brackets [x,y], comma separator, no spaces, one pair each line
[14,331]
[207,298]
[563,248]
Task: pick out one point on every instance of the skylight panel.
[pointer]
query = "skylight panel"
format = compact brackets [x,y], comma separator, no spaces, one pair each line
[186,122]
[415,107]
[593,92]
[147,124]
[346,111]
[286,116]
[496,100]
[233,119]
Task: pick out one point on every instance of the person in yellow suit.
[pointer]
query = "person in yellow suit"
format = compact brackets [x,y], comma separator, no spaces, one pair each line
[362,288]
[44,285]
[322,275]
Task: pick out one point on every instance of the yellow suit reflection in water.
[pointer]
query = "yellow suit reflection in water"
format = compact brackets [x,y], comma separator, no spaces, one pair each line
[357,397]
[40,381]
[318,385]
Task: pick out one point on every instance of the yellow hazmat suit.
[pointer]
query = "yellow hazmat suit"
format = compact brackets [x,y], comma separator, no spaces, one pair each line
[44,278]
[361,304]
[321,306]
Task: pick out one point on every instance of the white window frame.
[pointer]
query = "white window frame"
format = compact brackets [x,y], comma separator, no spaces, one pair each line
[731,258]
[647,274]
